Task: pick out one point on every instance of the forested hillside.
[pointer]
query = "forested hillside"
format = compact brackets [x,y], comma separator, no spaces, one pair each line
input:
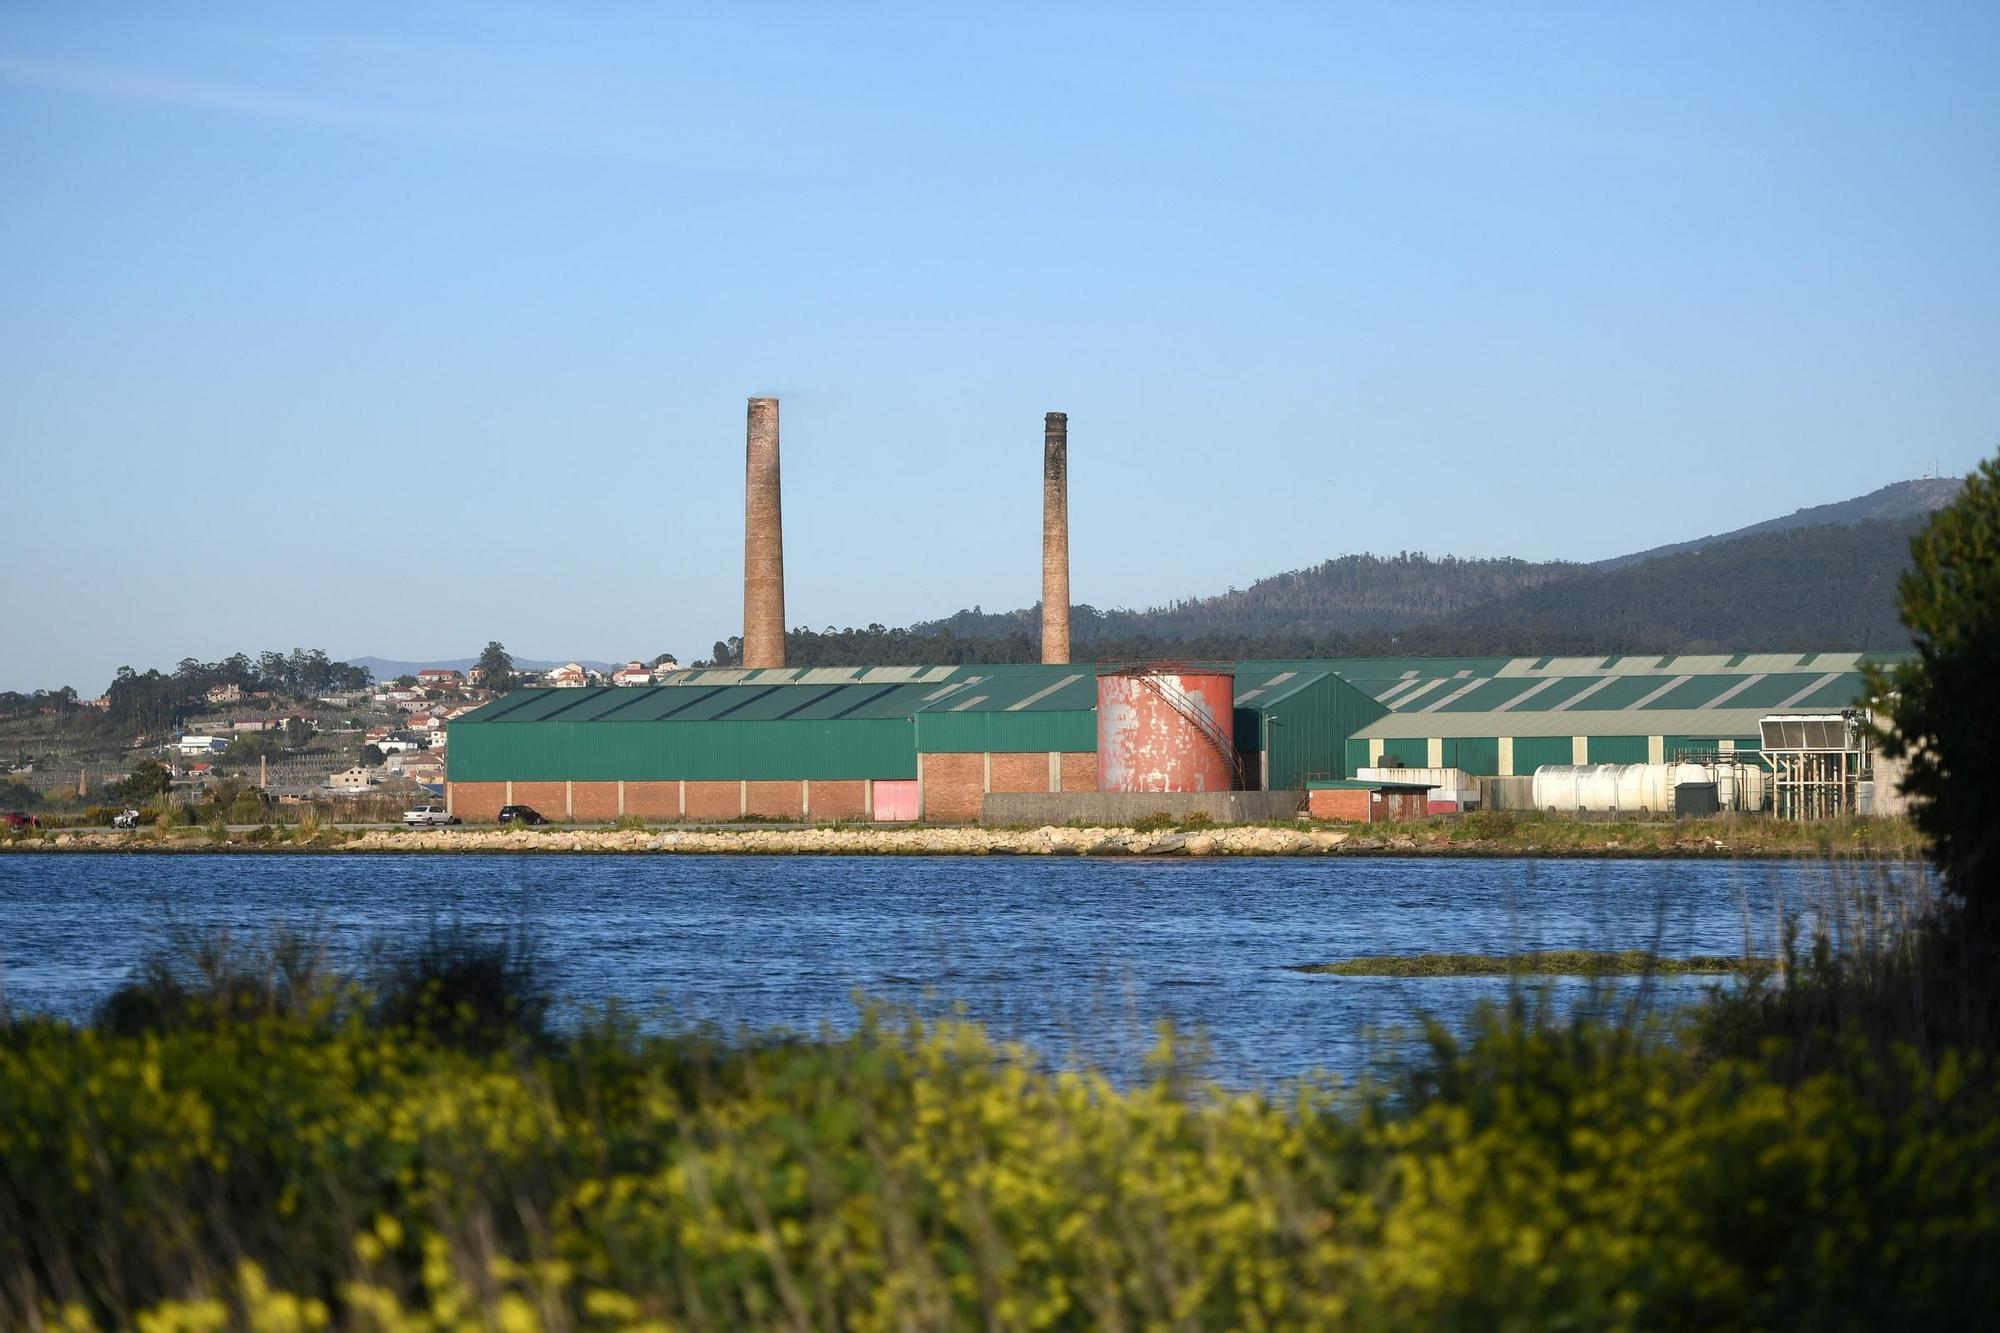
[1816,588]
[1808,588]
[1899,500]
[1353,594]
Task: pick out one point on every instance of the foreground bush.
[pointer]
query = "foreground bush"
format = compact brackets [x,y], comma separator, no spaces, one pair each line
[297,1168]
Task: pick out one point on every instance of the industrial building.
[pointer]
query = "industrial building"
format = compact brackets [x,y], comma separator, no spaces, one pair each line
[931,742]
[897,743]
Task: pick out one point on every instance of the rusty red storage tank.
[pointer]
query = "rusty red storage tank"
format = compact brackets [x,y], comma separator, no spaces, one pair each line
[1166,729]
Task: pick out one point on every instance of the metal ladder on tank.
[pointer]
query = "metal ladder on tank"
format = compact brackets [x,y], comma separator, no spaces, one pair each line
[1183,703]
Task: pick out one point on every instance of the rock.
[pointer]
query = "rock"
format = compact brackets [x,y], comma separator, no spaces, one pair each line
[1170,845]
[1201,844]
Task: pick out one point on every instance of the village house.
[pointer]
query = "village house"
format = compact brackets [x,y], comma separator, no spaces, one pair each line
[633,673]
[417,765]
[570,675]
[353,779]
[225,694]
[440,677]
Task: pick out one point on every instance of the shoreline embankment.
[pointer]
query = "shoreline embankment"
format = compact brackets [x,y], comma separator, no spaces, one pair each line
[1744,840]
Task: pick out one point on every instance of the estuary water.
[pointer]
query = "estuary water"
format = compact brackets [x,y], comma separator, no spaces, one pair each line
[1080,958]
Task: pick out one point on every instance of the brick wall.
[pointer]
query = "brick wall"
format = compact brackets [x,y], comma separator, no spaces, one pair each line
[777,800]
[954,786]
[596,801]
[545,798]
[714,800]
[838,800]
[653,800]
[1338,805]
[1021,772]
[1079,771]
[478,800]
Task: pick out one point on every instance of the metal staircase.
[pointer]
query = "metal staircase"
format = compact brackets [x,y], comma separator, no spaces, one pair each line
[1178,699]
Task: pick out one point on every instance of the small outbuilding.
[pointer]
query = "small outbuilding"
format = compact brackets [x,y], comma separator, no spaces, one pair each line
[1363,802]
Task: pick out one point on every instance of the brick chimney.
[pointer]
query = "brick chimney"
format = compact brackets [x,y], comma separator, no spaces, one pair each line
[1055,538]
[763,541]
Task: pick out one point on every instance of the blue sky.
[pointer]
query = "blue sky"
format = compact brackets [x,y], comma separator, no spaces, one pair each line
[395,328]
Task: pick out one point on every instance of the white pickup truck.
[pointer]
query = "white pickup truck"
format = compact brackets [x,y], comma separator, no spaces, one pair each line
[429,814]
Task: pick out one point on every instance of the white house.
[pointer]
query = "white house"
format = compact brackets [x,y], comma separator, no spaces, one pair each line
[417,765]
[570,675]
[203,744]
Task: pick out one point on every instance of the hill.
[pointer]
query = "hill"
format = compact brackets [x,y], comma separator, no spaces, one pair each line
[1827,587]
[1898,500]
[1351,595]
[1831,586]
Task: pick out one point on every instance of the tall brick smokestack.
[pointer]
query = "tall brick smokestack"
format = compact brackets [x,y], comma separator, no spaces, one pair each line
[1055,537]
[763,541]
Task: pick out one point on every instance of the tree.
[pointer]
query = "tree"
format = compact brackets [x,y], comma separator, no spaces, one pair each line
[1944,707]
[496,668]
[252,746]
[298,733]
[148,778]
[372,756]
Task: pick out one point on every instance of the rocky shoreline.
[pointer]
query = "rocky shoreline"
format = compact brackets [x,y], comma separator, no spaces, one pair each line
[1226,841]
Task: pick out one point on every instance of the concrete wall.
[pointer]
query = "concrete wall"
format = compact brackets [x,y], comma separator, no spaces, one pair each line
[1116,809]
[1507,793]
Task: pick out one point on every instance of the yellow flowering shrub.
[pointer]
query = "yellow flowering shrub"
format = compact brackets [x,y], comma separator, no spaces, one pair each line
[281,1174]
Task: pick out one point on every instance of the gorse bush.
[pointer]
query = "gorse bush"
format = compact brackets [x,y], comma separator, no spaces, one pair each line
[917,1175]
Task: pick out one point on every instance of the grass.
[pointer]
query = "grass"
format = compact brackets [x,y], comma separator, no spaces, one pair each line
[1552,962]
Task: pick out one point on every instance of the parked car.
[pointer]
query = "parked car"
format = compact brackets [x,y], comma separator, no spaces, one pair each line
[425,815]
[521,814]
[20,819]
[127,818]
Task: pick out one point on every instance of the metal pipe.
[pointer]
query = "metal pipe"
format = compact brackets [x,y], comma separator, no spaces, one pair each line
[1055,538]
[763,540]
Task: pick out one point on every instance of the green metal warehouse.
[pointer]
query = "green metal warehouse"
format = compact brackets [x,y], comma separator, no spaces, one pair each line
[932,742]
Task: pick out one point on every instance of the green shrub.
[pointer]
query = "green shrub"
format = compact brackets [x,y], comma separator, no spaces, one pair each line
[280,1152]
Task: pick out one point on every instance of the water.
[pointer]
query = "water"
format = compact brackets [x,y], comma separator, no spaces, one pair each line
[1079,957]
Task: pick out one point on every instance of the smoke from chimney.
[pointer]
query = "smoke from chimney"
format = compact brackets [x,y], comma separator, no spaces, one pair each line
[1055,538]
[763,541]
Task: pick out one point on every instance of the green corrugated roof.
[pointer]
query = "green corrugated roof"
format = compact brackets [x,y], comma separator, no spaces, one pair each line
[1057,689]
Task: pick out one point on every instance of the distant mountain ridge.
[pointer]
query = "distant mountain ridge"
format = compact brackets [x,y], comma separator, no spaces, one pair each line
[1822,578]
[1898,500]
[1747,587]
[1349,595]
[1825,587]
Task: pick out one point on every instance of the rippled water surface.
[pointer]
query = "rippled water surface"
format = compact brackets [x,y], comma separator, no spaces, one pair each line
[1072,955]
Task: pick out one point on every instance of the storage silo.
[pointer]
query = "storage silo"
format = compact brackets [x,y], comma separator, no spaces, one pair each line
[1166,729]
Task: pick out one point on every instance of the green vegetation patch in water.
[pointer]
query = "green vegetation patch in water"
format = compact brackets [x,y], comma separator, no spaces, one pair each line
[1552,962]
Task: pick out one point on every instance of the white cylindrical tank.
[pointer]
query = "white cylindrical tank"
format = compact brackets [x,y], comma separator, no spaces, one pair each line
[1641,787]
[1604,787]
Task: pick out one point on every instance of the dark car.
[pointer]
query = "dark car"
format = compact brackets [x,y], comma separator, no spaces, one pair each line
[521,814]
[19,819]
